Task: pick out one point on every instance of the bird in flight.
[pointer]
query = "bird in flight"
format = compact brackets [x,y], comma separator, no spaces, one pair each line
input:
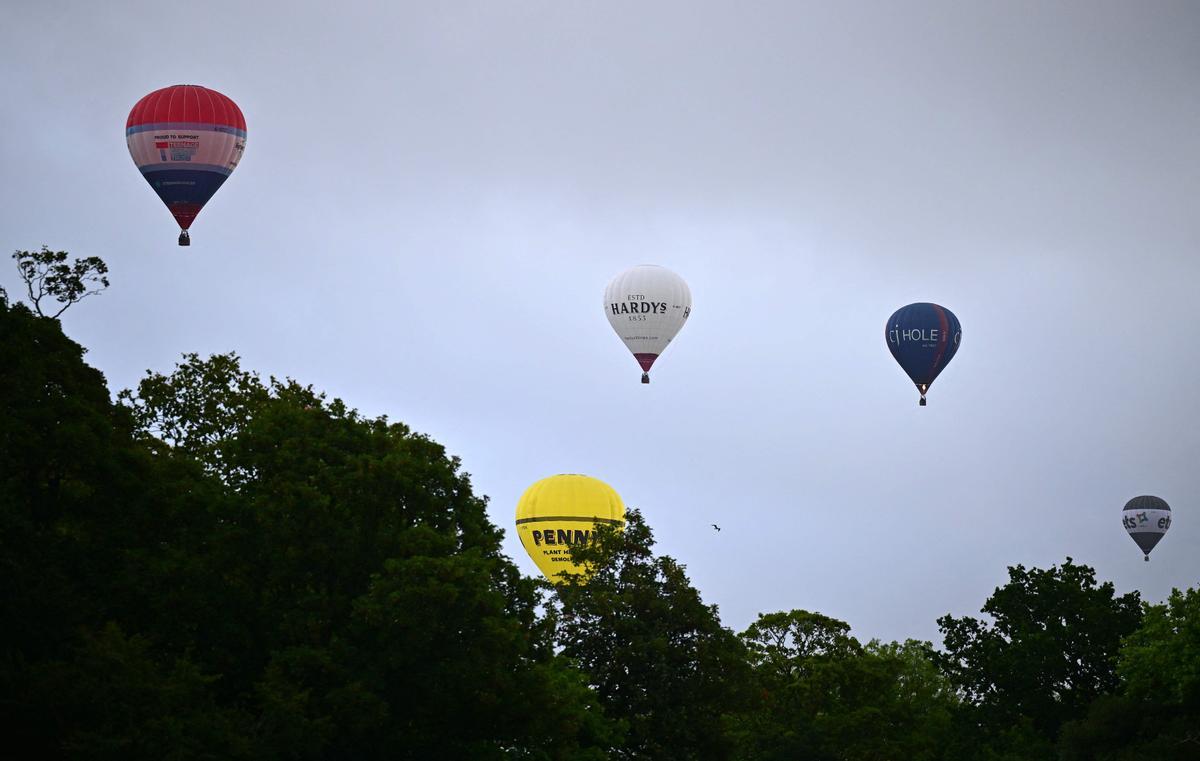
[718,528]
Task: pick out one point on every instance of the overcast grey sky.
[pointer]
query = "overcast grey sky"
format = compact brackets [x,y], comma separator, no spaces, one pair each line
[434,195]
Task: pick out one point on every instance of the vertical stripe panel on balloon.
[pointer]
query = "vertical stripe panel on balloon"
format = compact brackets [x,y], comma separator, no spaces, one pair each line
[235,141]
[162,109]
[943,342]
[229,118]
[168,106]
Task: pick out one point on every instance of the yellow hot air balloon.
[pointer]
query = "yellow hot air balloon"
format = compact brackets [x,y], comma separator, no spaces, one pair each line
[560,512]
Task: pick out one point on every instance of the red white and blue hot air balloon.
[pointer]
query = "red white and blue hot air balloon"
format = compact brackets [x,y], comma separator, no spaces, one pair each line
[186,140]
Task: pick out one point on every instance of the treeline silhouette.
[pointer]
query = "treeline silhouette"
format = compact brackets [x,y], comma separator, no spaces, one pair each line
[215,566]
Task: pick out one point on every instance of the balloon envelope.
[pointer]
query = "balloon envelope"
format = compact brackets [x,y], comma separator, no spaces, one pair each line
[560,512]
[1146,519]
[186,140]
[923,338]
[647,305]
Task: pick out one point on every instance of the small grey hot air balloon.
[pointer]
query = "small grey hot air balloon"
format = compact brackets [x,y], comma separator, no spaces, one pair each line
[1146,519]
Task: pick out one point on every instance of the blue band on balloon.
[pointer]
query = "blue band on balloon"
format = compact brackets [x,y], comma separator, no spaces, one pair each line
[184,127]
[178,166]
[186,186]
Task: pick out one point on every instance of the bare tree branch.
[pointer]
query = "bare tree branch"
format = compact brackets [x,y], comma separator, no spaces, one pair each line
[46,273]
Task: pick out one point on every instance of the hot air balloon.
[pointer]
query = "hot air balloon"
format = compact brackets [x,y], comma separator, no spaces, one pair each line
[185,140]
[647,305]
[560,512]
[923,338]
[1146,519]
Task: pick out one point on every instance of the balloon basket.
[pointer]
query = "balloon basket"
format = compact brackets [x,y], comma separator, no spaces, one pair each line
[645,377]
[184,238]
[922,402]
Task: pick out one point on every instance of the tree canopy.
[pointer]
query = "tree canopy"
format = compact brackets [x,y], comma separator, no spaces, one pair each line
[219,565]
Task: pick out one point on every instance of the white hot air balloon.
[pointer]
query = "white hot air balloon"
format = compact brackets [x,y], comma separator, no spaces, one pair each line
[647,305]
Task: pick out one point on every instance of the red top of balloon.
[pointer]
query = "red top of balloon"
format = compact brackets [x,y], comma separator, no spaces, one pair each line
[186,103]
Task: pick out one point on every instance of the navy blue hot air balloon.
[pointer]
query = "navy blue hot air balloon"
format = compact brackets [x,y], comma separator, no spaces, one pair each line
[923,338]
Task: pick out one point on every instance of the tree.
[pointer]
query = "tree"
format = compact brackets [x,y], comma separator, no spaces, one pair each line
[369,609]
[782,644]
[62,470]
[94,531]
[46,274]
[1049,653]
[1157,715]
[654,652]
[1160,662]
[318,585]
[200,408]
[820,694]
[117,697]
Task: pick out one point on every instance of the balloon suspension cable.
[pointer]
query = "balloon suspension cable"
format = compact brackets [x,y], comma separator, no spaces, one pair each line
[645,377]
[184,238]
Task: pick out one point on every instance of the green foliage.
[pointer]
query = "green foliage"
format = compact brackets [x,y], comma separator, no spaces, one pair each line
[656,655]
[1118,728]
[820,694]
[62,472]
[116,699]
[199,408]
[93,528]
[383,614]
[47,274]
[1158,714]
[222,567]
[1161,661]
[1050,652]
[782,644]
